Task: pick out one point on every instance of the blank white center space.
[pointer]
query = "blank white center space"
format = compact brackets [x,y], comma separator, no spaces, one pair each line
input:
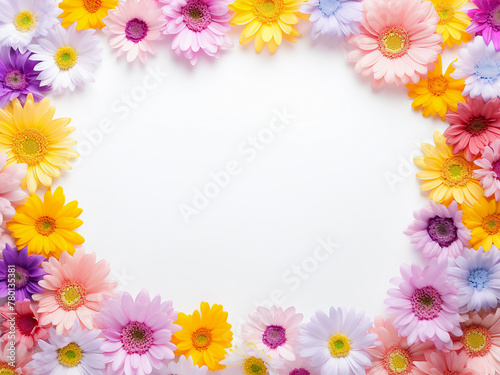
[339,172]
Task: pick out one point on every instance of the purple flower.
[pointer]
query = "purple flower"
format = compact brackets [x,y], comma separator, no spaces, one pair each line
[438,231]
[18,77]
[486,21]
[26,272]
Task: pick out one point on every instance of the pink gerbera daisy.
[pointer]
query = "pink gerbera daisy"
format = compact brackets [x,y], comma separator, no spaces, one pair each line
[75,287]
[475,125]
[28,329]
[198,25]
[134,27]
[10,189]
[398,42]
[425,305]
[489,172]
[137,333]
[480,341]
[275,330]
[393,355]
[444,363]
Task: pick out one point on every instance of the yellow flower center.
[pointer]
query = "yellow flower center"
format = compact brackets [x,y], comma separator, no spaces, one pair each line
[268,11]
[254,366]
[45,225]
[476,341]
[6,369]
[339,345]
[491,224]
[65,57]
[30,146]
[70,355]
[92,6]
[71,295]
[201,338]
[397,361]
[456,171]
[25,21]
[393,42]
[445,12]
[438,85]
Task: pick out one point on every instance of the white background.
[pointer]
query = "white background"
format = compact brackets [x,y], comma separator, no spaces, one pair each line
[324,176]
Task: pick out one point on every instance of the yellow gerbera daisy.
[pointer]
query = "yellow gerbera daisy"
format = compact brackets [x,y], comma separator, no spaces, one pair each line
[452,23]
[205,336]
[448,176]
[88,13]
[268,21]
[437,93]
[31,135]
[47,227]
[483,220]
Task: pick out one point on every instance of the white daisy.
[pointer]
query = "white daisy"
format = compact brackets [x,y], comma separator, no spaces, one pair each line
[337,343]
[249,360]
[23,20]
[185,366]
[77,353]
[479,64]
[67,57]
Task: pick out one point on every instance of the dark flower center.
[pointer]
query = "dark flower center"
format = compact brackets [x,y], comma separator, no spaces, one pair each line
[494,18]
[477,125]
[21,277]
[15,80]
[136,30]
[426,303]
[496,168]
[196,15]
[299,371]
[137,338]
[27,323]
[442,230]
[274,336]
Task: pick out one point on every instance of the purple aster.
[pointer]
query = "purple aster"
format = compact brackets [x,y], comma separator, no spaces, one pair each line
[27,272]
[18,77]
[486,21]
[438,231]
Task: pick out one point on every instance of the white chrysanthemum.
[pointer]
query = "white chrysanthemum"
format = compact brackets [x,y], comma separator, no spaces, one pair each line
[479,64]
[185,366]
[249,359]
[67,57]
[78,352]
[23,20]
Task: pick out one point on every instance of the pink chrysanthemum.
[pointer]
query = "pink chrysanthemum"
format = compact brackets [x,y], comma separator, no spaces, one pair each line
[275,330]
[198,25]
[137,333]
[480,341]
[301,366]
[398,42]
[489,172]
[444,363]
[75,288]
[475,125]
[425,305]
[134,27]
[438,231]
[10,189]
[393,355]
[28,329]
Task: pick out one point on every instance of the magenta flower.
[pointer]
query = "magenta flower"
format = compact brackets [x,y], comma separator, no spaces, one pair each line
[425,305]
[198,26]
[438,231]
[489,172]
[137,333]
[486,21]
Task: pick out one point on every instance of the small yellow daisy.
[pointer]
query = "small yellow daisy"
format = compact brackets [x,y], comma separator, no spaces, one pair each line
[452,23]
[88,13]
[437,93]
[483,220]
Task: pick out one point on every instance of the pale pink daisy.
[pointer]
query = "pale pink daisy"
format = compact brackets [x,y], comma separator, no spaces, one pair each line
[198,26]
[275,330]
[75,288]
[10,189]
[393,355]
[134,27]
[26,327]
[489,172]
[444,363]
[480,341]
[425,305]
[398,42]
